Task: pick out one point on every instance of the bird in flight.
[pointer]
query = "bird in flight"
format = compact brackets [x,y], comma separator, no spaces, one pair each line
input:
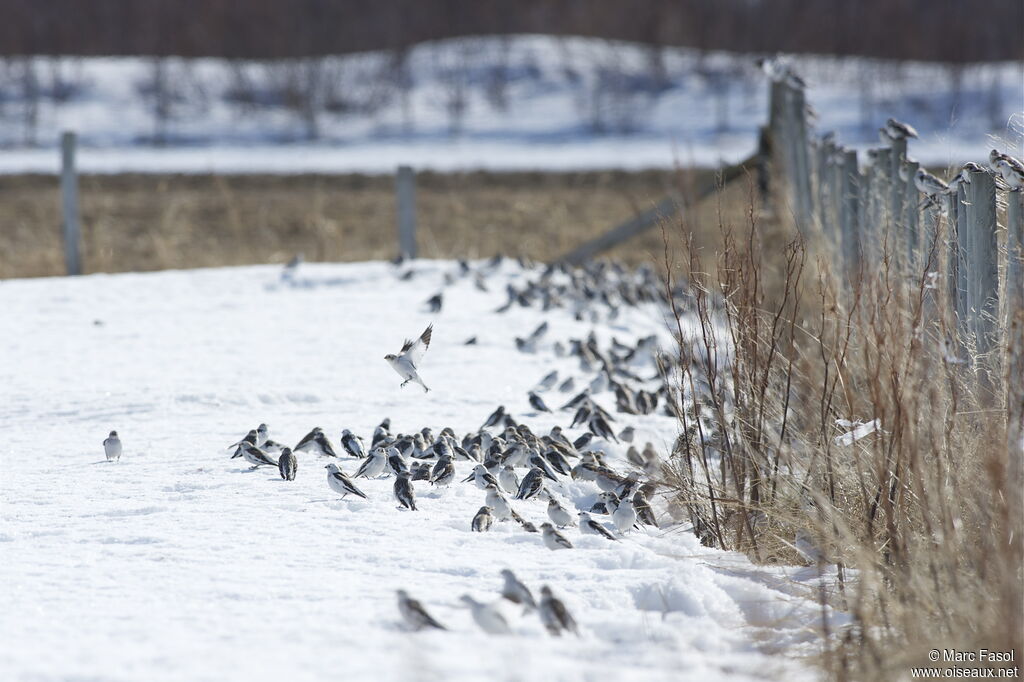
[408,359]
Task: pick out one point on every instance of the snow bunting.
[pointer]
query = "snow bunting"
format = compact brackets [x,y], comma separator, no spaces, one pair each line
[928,184]
[112,447]
[256,457]
[589,526]
[353,444]
[341,483]
[443,473]
[483,520]
[408,359]
[287,464]
[508,480]
[558,515]
[554,615]
[537,403]
[498,504]
[516,592]
[553,539]
[373,466]
[487,617]
[624,516]
[404,492]
[532,485]
[414,614]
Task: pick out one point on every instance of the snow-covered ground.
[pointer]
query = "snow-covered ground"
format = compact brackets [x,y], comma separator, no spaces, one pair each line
[527,102]
[178,563]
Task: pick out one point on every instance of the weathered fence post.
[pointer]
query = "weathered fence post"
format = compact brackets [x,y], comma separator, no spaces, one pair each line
[405,190]
[850,191]
[960,242]
[983,263]
[69,203]
[910,204]
[1014,333]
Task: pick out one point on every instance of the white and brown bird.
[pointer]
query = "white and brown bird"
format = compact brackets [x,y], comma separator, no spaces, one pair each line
[483,520]
[112,447]
[404,492]
[416,617]
[553,539]
[516,592]
[287,464]
[929,184]
[487,616]
[554,615]
[341,483]
[589,526]
[406,362]
[256,457]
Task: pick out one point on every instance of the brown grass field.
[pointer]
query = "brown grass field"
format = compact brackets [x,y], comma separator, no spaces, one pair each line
[153,222]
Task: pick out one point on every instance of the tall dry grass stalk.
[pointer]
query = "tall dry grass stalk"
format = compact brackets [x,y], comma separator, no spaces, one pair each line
[913,523]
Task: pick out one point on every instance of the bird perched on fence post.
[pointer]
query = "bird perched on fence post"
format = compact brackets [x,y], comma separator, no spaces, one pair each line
[112,447]
[406,362]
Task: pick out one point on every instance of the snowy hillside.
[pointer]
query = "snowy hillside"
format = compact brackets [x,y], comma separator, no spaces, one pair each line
[180,563]
[503,103]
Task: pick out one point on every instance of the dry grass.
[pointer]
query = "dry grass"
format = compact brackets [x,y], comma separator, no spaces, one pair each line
[151,222]
[923,510]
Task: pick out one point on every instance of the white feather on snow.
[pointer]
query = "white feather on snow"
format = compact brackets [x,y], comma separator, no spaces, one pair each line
[180,564]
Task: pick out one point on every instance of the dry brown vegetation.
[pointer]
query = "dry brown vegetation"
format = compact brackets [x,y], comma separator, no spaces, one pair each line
[152,222]
[918,524]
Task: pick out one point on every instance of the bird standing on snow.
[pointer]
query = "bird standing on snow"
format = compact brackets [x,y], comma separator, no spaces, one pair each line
[516,592]
[483,520]
[256,457]
[404,492]
[500,507]
[435,302]
[414,614]
[553,539]
[373,466]
[341,483]
[353,444]
[589,526]
[558,515]
[624,516]
[487,617]
[554,615]
[532,484]
[408,359]
[287,464]
[444,472]
[112,447]
[538,404]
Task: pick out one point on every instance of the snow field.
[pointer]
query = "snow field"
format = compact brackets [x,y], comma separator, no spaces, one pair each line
[178,563]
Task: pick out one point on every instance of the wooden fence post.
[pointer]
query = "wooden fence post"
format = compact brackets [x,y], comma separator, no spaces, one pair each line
[983,260]
[405,190]
[850,190]
[1015,356]
[69,203]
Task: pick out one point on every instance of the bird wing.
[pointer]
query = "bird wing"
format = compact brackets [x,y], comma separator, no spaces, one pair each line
[414,350]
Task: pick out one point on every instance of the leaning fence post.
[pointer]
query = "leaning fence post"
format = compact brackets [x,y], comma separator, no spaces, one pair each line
[983,268]
[405,189]
[69,203]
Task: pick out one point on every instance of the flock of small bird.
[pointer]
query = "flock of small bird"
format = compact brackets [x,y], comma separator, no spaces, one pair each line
[489,617]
